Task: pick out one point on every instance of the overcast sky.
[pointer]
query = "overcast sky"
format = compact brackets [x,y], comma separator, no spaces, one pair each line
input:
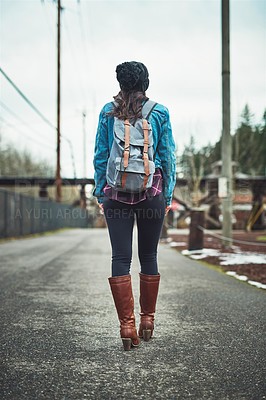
[179,42]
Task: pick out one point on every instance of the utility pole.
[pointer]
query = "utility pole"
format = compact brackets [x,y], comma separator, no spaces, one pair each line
[226,136]
[84,144]
[58,151]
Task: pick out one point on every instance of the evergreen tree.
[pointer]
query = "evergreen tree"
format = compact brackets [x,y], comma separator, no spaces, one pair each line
[248,150]
[262,146]
[248,145]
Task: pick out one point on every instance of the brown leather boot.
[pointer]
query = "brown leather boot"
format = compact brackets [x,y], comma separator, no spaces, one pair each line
[149,286]
[124,302]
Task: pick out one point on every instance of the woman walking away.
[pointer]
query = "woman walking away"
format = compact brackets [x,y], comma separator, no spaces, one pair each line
[135,174]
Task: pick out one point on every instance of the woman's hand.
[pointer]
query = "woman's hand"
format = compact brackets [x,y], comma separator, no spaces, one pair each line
[101,208]
[167,209]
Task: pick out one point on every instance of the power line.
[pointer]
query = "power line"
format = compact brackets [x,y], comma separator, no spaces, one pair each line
[88,44]
[41,115]
[69,41]
[24,134]
[35,131]
[72,157]
[70,10]
[44,144]
[88,33]
[50,29]
[27,100]
[83,37]
[18,117]
[79,74]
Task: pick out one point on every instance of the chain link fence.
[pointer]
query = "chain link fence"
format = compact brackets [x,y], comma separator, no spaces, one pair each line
[22,215]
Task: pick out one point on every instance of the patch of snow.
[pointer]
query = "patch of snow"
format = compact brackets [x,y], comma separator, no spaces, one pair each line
[245,207]
[186,252]
[257,284]
[231,273]
[233,218]
[227,258]
[205,252]
[242,258]
[198,257]
[178,231]
[175,244]
[188,220]
[168,240]
[243,278]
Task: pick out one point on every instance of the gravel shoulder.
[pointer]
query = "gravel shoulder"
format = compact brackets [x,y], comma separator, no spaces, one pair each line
[247,256]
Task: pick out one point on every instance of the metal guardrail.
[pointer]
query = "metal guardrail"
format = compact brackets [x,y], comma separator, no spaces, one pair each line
[22,215]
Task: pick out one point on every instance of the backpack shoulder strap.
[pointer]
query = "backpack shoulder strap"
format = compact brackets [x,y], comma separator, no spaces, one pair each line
[147,108]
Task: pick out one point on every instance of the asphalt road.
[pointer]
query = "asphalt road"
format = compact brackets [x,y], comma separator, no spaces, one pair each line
[60,333]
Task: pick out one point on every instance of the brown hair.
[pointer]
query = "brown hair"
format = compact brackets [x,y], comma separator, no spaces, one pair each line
[129,104]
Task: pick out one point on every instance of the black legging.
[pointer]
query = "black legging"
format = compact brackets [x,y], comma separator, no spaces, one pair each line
[120,221]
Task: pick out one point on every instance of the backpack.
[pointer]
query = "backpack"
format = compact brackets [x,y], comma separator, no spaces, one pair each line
[130,166]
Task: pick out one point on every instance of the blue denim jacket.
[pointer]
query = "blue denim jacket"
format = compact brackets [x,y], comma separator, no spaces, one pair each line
[163,145]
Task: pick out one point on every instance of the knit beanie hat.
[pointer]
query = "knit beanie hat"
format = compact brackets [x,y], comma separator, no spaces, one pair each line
[132,75]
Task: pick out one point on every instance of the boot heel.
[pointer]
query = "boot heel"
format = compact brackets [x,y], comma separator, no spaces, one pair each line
[146,335]
[126,343]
